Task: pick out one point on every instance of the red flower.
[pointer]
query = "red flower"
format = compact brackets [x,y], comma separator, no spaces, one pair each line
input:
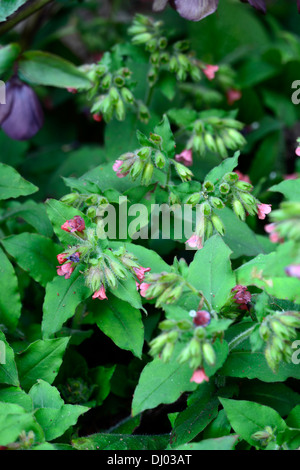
[185,157]
[210,71]
[273,235]
[76,224]
[97,117]
[100,293]
[263,210]
[140,272]
[62,257]
[199,376]
[202,318]
[242,296]
[65,270]
[233,96]
[243,177]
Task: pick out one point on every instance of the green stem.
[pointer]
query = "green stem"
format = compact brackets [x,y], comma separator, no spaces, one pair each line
[199,293]
[22,14]
[241,338]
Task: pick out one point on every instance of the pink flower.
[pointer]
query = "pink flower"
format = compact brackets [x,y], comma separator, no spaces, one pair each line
[199,376]
[65,270]
[233,96]
[97,117]
[292,176]
[61,258]
[263,210]
[242,296]
[117,168]
[202,318]
[210,71]
[143,289]
[140,272]
[243,177]
[297,151]
[293,270]
[273,235]
[76,224]
[195,242]
[72,90]
[185,157]
[100,293]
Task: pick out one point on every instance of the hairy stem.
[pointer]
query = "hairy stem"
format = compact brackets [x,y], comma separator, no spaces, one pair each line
[240,338]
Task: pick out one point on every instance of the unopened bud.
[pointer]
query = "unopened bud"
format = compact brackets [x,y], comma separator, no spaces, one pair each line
[147,174]
[218,224]
[209,354]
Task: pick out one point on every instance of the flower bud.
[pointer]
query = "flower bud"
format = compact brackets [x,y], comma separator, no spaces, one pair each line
[120,110]
[193,199]
[231,177]
[243,185]
[167,352]
[70,199]
[224,188]
[141,38]
[127,95]
[136,169]
[167,325]
[184,173]
[209,354]
[208,186]
[218,224]
[110,278]
[184,325]
[239,209]
[210,142]
[290,320]
[147,174]
[217,202]
[221,149]
[91,212]
[158,343]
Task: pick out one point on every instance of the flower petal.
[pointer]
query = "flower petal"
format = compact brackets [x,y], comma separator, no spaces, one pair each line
[196,10]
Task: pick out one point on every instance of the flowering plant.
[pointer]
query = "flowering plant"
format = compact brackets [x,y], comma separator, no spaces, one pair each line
[149,228]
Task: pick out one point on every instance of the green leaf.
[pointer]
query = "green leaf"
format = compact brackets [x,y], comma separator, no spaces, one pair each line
[10,303]
[221,443]
[12,184]
[42,68]
[51,413]
[35,254]
[245,364]
[17,396]
[127,291]
[227,166]
[41,360]
[289,188]
[210,272]
[168,142]
[120,442]
[8,7]
[8,55]
[61,300]
[13,420]
[293,419]
[147,258]
[32,213]
[199,413]
[161,383]
[122,323]
[8,371]
[247,418]
[101,376]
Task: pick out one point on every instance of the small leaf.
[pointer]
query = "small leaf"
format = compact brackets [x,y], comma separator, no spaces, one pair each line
[12,184]
[10,303]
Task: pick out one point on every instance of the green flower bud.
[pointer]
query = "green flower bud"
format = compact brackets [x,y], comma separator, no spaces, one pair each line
[91,212]
[195,348]
[210,142]
[199,145]
[70,199]
[233,123]
[239,209]
[264,332]
[127,95]
[167,324]
[184,325]
[119,270]
[141,38]
[144,114]
[152,45]
[173,65]
[155,138]
[290,320]
[184,173]
[106,82]
[136,169]
[237,137]
[160,160]
[206,208]
[193,199]
[208,229]
[221,149]
[162,43]
[164,58]
[243,186]
[231,177]
[224,188]
[247,199]
[216,202]
[209,354]
[200,332]
[208,186]
[280,330]
[157,344]
[119,81]
[195,73]
[167,352]
[120,110]
[218,224]
[147,174]
[110,278]
[184,61]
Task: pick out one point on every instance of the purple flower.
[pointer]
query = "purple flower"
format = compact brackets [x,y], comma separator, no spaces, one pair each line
[194,10]
[22,115]
[258,4]
[293,270]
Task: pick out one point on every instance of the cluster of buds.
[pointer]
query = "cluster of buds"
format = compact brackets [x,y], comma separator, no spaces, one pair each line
[142,162]
[166,288]
[238,303]
[175,58]
[279,331]
[198,350]
[216,135]
[111,92]
[24,442]
[104,267]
